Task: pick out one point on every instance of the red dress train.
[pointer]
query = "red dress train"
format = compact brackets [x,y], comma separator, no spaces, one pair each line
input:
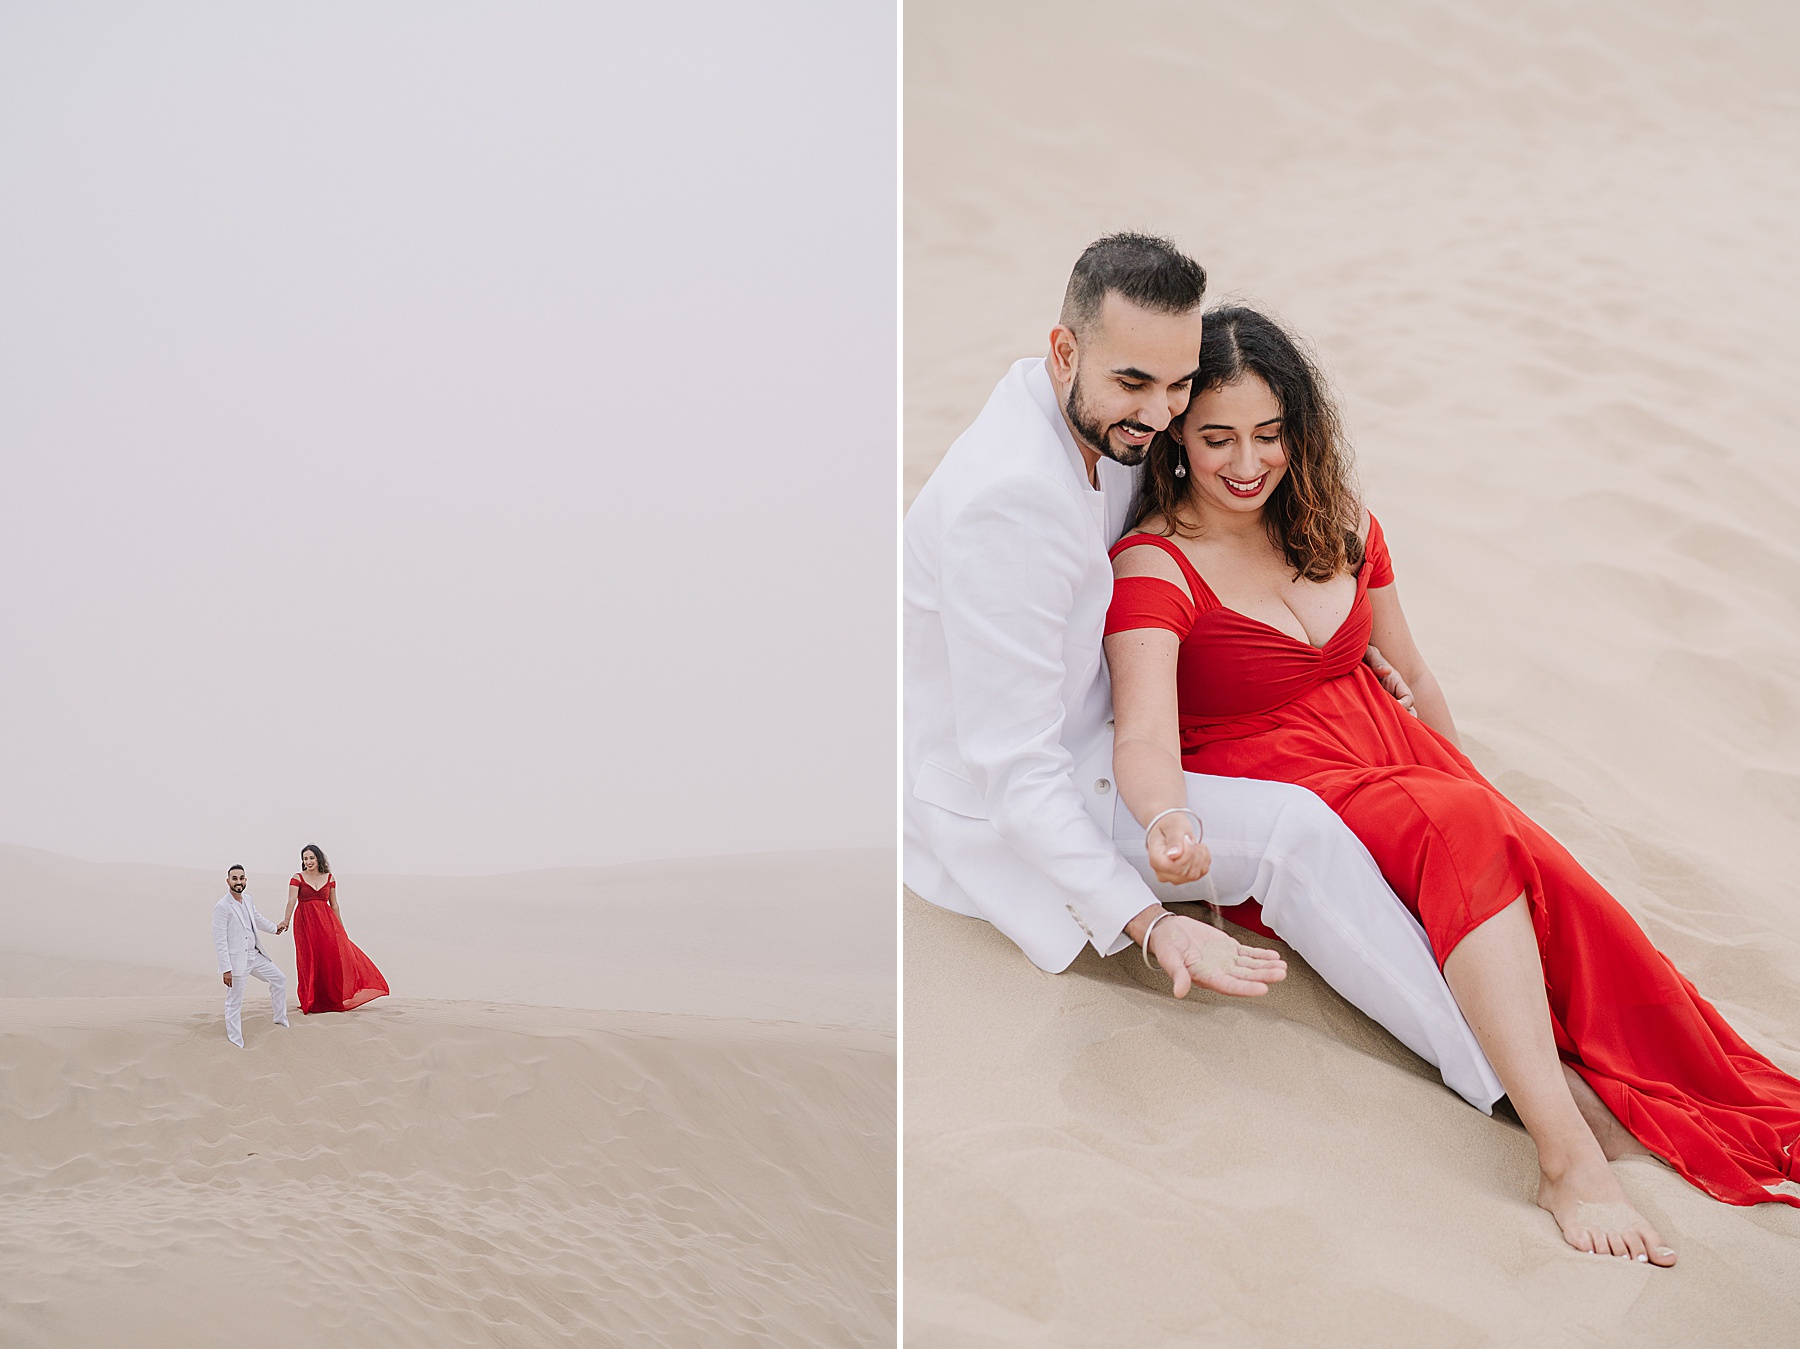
[333,974]
[1258,703]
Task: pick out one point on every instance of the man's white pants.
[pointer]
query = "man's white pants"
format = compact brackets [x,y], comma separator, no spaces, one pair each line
[271,974]
[1323,894]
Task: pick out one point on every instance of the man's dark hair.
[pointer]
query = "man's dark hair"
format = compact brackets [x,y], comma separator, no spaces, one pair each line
[1146,270]
[235,866]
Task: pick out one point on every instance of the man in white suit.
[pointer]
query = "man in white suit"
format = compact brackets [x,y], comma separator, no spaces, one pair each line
[1010,810]
[235,924]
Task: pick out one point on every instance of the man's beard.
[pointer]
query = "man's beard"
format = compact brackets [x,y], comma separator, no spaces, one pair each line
[1098,438]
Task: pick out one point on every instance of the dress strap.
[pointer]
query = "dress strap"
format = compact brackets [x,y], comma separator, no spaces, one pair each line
[1202,593]
[1377,569]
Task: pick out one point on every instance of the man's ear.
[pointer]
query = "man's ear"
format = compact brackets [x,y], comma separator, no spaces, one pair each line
[1063,347]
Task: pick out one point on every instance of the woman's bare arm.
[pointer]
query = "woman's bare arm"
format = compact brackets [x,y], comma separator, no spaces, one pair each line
[1147,730]
[1147,748]
[1395,639]
[1147,769]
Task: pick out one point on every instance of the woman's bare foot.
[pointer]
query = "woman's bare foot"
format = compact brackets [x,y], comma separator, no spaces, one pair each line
[1595,1215]
[1497,976]
[1615,1139]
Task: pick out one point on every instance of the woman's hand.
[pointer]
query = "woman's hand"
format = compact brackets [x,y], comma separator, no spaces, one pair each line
[1195,953]
[280,928]
[1390,679]
[1176,856]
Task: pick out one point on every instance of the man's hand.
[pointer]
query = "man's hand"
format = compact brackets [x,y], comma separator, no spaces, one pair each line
[1194,953]
[280,928]
[227,977]
[1176,856]
[1390,679]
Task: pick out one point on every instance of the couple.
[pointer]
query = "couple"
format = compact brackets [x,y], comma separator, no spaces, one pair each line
[1141,596]
[335,975]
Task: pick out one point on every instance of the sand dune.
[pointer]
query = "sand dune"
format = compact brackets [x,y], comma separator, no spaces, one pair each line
[491,1170]
[427,1173]
[793,936]
[1545,253]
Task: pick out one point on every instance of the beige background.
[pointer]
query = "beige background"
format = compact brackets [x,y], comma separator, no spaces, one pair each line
[1545,252]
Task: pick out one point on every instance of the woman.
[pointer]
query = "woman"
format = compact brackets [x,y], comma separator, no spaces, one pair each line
[1240,618]
[333,975]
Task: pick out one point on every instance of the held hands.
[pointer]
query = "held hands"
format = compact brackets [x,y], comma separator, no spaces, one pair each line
[1390,679]
[1176,855]
[280,928]
[1194,953]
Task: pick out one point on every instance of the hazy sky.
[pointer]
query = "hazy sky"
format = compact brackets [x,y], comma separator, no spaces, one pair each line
[461,435]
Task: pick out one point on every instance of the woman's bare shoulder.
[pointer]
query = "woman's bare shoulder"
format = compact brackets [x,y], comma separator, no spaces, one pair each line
[1147,559]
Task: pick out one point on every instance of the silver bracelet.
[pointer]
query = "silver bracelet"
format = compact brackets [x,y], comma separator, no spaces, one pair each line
[1147,931]
[1199,828]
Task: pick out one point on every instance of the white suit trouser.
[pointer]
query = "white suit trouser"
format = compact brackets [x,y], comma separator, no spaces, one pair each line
[1323,894]
[271,974]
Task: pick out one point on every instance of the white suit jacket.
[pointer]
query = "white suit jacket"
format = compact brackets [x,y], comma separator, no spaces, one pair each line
[233,938]
[1008,736]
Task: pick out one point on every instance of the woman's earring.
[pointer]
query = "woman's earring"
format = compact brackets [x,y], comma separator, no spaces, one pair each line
[1180,469]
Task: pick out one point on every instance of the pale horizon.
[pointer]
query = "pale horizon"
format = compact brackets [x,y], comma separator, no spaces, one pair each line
[464,440]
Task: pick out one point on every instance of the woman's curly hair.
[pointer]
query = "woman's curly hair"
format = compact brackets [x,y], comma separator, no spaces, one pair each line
[1313,514]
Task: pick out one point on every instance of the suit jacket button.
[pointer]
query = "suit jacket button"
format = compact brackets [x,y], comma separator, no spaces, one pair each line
[1103,786]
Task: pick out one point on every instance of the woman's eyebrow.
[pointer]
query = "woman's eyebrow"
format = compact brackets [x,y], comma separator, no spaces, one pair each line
[1219,426]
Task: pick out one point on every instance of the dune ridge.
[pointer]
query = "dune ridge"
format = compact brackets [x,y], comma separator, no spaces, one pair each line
[796,936]
[534,1162]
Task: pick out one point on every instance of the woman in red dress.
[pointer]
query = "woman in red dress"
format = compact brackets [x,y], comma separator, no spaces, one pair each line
[333,974]
[1242,613]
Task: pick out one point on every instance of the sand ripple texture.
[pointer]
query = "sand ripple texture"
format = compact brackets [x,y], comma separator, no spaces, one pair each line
[1546,252]
[438,1174]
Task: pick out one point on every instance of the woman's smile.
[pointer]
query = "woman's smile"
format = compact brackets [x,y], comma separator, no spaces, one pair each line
[1245,489]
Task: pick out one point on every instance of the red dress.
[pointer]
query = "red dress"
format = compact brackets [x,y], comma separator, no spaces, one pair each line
[1258,703]
[334,975]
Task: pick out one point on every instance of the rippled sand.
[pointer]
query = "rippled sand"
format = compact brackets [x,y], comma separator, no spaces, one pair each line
[1546,253]
[430,1172]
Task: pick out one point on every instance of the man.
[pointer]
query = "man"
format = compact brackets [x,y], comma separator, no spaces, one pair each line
[1010,811]
[235,924]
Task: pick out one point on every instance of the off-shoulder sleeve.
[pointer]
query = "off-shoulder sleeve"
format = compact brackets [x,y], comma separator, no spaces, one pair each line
[1149,602]
[1377,565]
